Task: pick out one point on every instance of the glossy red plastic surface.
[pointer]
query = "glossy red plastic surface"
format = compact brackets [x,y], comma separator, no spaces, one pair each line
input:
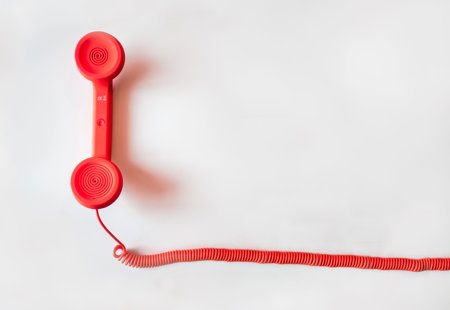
[99,56]
[97,182]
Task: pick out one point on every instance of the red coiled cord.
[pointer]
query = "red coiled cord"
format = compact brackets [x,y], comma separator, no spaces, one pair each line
[131,259]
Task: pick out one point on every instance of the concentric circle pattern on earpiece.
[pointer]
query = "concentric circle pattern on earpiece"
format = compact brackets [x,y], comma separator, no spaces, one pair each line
[98,56]
[96,182]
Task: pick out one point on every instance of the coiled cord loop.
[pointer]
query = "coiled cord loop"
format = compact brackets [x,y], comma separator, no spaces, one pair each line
[129,258]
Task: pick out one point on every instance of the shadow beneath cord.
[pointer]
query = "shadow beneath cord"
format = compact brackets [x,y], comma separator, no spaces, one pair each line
[147,184]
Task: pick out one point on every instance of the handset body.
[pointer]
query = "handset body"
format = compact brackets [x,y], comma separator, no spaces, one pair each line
[102,120]
[96,181]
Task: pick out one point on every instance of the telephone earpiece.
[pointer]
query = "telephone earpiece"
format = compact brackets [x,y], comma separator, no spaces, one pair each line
[96,181]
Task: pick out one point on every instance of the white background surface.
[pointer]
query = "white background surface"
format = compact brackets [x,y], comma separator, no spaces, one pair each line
[288,125]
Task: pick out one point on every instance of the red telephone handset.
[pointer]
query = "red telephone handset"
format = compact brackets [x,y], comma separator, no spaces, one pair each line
[96,181]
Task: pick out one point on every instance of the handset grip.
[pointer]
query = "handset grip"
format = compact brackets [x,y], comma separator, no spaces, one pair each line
[102,121]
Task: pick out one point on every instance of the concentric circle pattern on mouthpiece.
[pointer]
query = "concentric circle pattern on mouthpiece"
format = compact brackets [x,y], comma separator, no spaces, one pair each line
[98,56]
[96,182]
